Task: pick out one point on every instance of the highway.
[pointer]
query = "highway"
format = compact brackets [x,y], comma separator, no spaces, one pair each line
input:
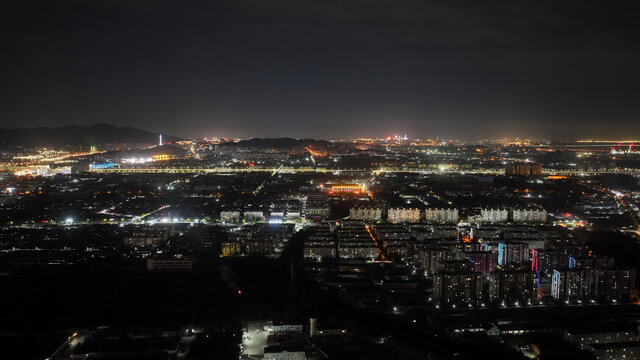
[291,170]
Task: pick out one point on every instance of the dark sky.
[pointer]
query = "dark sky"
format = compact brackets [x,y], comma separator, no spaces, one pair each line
[325,69]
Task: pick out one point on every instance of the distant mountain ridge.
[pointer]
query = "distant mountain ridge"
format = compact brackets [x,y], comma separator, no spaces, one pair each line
[277,143]
[79,135]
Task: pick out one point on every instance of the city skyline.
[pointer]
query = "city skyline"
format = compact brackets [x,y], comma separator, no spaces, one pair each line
[401,136]
[320,179]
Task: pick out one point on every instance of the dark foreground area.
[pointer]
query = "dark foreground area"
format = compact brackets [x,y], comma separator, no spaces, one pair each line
[42,307]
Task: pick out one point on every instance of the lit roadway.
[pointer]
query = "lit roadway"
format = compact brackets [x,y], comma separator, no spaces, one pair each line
[282,169]
[257,190]
[382,255]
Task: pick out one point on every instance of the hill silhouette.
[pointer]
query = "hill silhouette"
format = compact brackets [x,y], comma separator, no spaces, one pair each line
[79,135]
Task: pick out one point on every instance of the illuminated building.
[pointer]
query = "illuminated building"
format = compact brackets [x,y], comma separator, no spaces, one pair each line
[569,221]
[276,217]
[494,215]
[536,170]
[483,261]
[275,352]
[230,217]
[349,249]
[230,248]
[502,254]
[452,287]
[524,169]
[555,284]
[535,260]
[349,188]
[313,327]
[35,170]
[253,216]
[160,140]
[529,215]
[355,241]
[292,215]
[162,157]
[146,237]
[137,160]
[425,231]
[465,232]
[617,350]
[595,207]
[517,169]
[512,253]
[320,244]
[316,207]
[567,284]
[431,259]
[404,215]
[513,215]
[489,233]
[453,265]
[282,328]
[618,283]
[592,263]
[606,342]
[519,285]
[365,213]
[105,165]
[255,239]
[441,215]
[394,238]
[589,277]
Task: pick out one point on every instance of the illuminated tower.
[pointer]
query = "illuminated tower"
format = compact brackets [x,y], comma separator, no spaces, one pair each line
[502,254]
[160,142]
[555,284]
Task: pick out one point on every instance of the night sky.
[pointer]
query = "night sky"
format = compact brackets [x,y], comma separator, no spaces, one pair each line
[325,69]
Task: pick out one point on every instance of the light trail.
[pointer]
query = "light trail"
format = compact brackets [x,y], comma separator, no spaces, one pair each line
[72,155]
[261,186]
[314,152]
[380,252]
